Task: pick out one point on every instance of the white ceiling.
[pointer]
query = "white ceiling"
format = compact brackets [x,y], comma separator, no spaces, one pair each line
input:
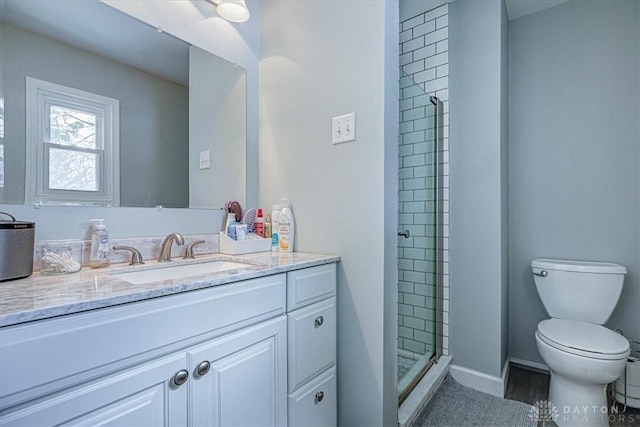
[97,27]
[519,8]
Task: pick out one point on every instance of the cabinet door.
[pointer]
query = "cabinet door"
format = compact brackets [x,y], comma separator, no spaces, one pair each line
[246,381]
[141,396]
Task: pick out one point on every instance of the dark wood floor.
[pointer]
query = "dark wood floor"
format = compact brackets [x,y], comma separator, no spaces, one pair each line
[531,387]
[527,386]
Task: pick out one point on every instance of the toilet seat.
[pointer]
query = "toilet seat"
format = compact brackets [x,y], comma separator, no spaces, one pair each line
[583,339]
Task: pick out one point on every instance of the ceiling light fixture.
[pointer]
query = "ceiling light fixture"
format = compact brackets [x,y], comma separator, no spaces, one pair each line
[232,10]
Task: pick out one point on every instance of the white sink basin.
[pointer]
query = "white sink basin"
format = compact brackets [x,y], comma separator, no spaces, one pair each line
[178,272]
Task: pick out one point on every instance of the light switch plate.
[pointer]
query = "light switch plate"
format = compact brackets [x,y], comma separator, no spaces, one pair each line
[343,128]
[205,159]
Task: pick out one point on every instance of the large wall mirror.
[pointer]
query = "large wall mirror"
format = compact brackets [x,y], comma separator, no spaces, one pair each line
[178,106]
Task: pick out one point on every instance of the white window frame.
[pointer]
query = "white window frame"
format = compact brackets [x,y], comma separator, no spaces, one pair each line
[40,95]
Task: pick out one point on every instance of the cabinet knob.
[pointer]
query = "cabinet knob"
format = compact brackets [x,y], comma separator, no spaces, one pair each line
[180,377]
[319,396]
[203,368]
[319,321]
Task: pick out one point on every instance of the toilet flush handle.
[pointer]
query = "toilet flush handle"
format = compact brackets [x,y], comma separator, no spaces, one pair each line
[542,273]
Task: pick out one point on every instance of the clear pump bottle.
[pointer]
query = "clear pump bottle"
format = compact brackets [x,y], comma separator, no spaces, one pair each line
[99,245]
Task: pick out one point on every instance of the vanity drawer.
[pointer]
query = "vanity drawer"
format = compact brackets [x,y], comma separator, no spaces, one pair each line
[310,285]
[316,403]
[312,341]
[41,357]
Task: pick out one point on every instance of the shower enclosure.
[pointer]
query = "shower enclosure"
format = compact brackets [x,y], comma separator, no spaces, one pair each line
[419,236]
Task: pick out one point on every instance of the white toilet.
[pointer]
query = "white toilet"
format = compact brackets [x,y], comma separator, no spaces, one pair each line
[583,356]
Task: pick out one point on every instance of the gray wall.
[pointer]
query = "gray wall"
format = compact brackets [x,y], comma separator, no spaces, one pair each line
[344,196]
[72,222]
[153,117]
[574,152]
[478,186]
[217,123]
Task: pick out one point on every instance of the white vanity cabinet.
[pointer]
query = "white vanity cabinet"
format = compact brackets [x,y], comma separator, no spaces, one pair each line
[311,324]
[209,384]
[236,354]
[137,364]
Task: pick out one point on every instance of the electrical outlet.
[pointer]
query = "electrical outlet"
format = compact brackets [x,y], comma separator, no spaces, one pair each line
[343,128]
[205,159]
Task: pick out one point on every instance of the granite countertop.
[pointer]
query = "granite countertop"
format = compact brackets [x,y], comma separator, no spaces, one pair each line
[40,297]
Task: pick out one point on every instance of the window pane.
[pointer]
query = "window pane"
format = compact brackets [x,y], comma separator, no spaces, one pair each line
[72,170]
[72,127]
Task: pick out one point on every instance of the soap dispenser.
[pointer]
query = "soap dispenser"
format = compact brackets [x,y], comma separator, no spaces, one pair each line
[99,245]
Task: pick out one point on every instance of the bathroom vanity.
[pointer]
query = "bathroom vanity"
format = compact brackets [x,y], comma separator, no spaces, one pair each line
[246,346]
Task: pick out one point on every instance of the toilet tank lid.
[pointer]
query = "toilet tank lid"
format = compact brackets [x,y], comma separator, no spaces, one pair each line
[579,266]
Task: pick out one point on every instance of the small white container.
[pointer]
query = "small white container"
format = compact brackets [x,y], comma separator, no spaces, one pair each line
[247,246]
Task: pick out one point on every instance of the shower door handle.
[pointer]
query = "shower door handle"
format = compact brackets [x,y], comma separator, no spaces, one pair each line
[405,234]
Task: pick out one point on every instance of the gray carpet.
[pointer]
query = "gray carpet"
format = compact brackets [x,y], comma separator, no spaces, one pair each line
[456,405]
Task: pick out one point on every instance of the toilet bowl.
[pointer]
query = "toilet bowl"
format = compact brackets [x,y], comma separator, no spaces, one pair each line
[583,358]
[582,355]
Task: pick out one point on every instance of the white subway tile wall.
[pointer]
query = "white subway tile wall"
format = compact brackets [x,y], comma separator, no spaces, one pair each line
[424,64]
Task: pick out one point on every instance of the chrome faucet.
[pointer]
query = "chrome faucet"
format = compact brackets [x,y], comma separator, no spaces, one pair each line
[165,249]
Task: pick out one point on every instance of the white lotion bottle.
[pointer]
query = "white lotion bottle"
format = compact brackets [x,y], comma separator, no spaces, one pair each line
[286,228]
[99,245]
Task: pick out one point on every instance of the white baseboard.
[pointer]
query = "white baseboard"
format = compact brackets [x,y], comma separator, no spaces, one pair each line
[534,366]
[506,369]
[480,381]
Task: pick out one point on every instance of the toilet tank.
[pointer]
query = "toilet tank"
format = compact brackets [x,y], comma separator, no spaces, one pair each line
[578,290]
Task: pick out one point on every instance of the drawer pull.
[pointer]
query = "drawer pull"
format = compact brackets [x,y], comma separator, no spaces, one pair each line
[319,321]
[319,396]
[203,368]
[180,377]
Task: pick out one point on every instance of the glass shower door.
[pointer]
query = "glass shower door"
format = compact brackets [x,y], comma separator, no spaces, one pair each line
[419,323]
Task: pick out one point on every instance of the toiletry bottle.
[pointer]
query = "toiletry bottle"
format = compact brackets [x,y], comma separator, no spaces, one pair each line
[275,214]
[286,228]
[260,224]
[231,228]
[230,219]
[99,245]
[267,227]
